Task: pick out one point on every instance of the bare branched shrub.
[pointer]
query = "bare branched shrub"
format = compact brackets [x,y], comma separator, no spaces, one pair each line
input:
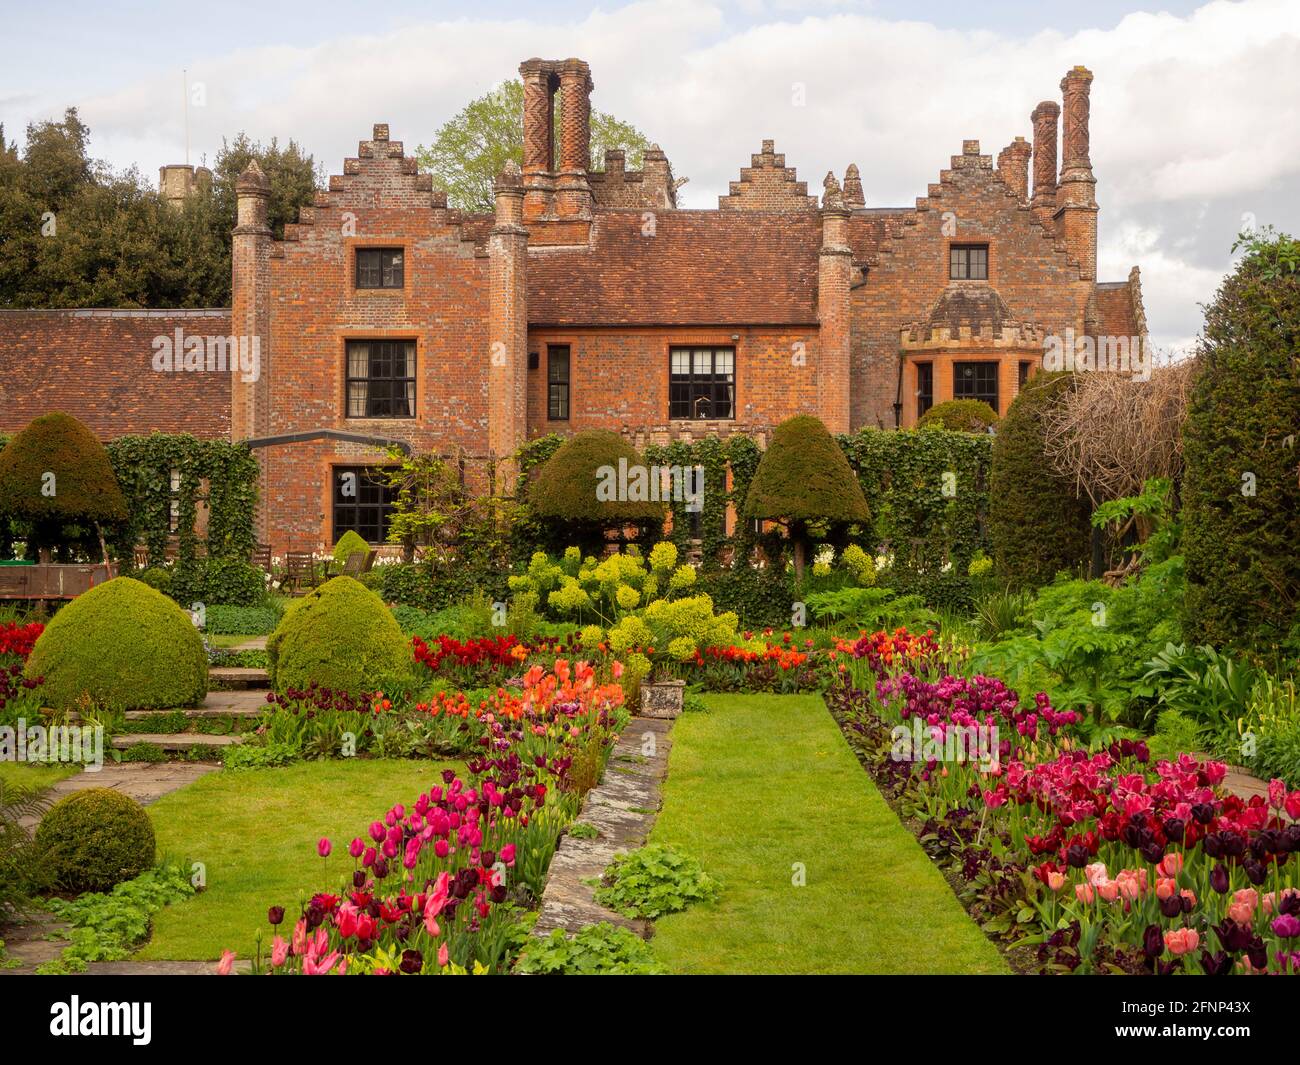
[1111,433]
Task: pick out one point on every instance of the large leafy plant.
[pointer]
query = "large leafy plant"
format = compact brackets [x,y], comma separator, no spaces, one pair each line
[655,880]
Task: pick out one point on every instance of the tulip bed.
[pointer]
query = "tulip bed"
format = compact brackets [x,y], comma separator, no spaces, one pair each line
[444,884]
[1077,860]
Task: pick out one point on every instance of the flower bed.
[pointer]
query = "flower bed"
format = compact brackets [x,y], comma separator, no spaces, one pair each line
[16,642]
[1081,861]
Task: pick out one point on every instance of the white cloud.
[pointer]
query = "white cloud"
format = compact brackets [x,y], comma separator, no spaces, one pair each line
[1192,117]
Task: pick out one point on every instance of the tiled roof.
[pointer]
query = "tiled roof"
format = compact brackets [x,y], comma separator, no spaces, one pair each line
[1115,312]
[869,227]
[98,365]
[698,268]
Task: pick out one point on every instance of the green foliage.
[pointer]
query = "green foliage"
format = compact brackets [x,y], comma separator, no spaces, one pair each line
[340,636]
[240,620]
[570,486]
[929,493]
[803,477]
[473,146]
[959,416]
[1241,495]
[1153,509]
[217,472]
[54,474]
[226,581]
[760,598]
[107,927]
[270,755]
[1037,522]
[350,543]
[871,609]
[1210,690]
[708,523]
[596,950]
[24,870]
[144,752]
[654,880]
[126,646]
[95,839]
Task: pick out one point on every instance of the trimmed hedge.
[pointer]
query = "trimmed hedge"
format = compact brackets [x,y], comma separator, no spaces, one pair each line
[96,839]
[567,486]
[350,543]
[804,477]
[1241,499]
[340,636]
[125,645]
[1037,522]
[228,581]
[959,416]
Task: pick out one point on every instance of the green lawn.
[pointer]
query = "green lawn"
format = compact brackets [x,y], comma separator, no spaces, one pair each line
[41,775]
[761,782]
[256,832]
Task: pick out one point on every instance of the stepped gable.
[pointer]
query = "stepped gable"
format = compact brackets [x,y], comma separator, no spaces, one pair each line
[767,184]
[1119,307]
[698,267]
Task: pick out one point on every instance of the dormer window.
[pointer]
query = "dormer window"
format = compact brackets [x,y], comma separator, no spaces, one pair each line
[380,268]
[968,262]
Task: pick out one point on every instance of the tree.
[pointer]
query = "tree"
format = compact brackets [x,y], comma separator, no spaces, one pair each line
[803,479]
[1241,495]
[55,475]
[1037,522]
[596,481]
[471,148]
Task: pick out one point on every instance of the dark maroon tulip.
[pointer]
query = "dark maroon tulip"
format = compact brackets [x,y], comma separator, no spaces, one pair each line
[1233,936]
[380,868]
[1255,871]
[489,857]
[1153,852]
[412,962]
[1203,812]
[1219,878]
[1077,856]
[1153,941]
[1257,952]
[1172,906]
[1215,964]
[359,878]
[1174,829]
[275,914]
[1290,904]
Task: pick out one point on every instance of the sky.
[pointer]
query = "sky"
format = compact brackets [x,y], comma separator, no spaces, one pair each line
[1195,106]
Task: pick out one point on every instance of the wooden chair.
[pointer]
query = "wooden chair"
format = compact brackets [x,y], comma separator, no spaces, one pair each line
[354,565]
[300,570]
[141,557]
[370,561]
[261,557]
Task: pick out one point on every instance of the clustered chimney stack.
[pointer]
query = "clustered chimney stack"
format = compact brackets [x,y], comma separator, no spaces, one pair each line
[1044,118]
[551,190]
[1076,214]
[1013,167]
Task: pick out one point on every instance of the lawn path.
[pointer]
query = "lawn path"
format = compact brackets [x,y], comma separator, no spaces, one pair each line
[762,782]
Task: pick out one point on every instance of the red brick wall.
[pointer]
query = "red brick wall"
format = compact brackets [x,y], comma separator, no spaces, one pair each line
[1027,266]
[97,365]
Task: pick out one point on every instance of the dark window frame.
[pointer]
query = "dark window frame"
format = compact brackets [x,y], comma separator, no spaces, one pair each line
[559,376]
[983,373]
[968,262]
[382,274]
[369,512]
[1023,371]
[385,355]
[696,395]
[924,387]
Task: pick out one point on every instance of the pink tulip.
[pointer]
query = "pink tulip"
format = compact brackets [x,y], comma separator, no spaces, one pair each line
[279,951]
[1084,893]
[1171,864]
[1276,794]
[1166,888]
[1095,873]
[1109,890]
[227,963]
[508,854]
[324,847]
[1242,913]
[1055,880]
[1181,941]
[300,937]
[376,830]
[357,847]
[442,848]
[444,955]
[1293,805]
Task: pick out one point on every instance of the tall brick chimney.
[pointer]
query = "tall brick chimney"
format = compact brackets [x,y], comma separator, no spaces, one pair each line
[572,191]
[556,187]
[1013,167]
[250,286]
[1076,200]
[1044,118]
[834,274]
[508,321]
[540,84]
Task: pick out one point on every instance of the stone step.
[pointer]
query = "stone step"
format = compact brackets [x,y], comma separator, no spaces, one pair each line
[248,703]
[176,741]
[239,676]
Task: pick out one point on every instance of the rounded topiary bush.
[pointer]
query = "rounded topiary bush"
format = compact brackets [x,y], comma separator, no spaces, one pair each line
[1038,525]
[96,839]
[125,645]
[960,416]
[350,543]
[340,636]
[573,483]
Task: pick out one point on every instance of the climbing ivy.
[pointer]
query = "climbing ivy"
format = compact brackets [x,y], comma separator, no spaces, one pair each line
[222,474]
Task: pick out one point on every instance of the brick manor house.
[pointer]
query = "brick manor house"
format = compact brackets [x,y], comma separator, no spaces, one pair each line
[588,299]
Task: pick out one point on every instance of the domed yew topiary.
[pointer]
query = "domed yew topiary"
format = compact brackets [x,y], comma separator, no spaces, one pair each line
[960,416]
[350,543]
[55,473]
[582,482]
[96,839]
[1038,525]
[803,478]
[125,645]
[340,636]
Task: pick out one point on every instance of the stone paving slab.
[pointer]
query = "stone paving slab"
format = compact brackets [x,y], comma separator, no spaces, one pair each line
[257,643]
[622,808]
[177,741]
[239,676]
[146,782]
[237,703]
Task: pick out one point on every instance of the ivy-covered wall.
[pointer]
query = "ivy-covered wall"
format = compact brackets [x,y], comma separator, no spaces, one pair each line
[222,474]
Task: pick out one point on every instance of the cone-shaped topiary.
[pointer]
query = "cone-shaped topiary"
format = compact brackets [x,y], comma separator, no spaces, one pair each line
[959,416]
[1038,525]
[340,636]
[125,645]
[1241,496]
[350,543]
[95,839]
[595,481]
[55,473]
[803,478]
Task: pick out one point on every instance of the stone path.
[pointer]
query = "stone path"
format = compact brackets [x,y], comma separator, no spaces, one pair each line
[257,643]
[623,808]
